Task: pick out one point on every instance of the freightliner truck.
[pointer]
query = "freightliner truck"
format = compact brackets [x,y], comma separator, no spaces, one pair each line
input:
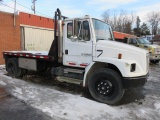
[84,52]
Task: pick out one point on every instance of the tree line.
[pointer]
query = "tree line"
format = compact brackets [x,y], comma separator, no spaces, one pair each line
[129,22]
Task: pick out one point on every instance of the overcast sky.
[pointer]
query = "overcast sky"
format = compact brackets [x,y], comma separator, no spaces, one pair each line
[78,8]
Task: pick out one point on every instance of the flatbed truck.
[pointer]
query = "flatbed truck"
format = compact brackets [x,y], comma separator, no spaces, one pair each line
[84,52]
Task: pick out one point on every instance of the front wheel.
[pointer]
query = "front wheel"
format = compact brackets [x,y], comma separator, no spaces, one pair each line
[105,85]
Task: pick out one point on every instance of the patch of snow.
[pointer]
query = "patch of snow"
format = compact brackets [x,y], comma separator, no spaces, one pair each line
[2,69]
[153,78]
[18,90]
[157,106]
[77,108]
[2,83]
[2,66]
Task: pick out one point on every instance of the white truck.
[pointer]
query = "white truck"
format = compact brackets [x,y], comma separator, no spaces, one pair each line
[84,52]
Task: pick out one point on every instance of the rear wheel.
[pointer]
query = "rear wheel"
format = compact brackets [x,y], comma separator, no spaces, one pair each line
[154,61]
[12,67]
[105,85]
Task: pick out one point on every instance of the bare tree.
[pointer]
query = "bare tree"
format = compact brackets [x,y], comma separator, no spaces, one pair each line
[153,18]
[106,16]
[119,20]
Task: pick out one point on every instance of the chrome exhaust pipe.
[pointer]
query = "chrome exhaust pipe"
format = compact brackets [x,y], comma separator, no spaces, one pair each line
[60,40]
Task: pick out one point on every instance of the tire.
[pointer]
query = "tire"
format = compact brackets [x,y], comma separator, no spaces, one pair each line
[12,67]
[105,85]
[154,61]
[23,71]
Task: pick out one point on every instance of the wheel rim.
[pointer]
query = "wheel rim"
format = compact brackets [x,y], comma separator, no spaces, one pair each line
[104,88]
[11,68]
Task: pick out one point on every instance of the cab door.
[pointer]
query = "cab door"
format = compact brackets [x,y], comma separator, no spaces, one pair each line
[77,52]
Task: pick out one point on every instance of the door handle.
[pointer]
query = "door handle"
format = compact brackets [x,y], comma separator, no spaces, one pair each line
[66,52]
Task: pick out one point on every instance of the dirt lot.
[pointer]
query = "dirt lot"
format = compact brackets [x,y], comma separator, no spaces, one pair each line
[54,100]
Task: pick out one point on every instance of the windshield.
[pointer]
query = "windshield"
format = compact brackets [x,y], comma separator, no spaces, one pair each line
[143,41]
[102,30]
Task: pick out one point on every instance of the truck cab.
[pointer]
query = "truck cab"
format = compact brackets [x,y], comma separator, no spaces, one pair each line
[84,52]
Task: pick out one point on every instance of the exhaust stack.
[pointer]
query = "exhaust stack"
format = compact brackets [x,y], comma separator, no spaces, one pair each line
[56,49]
[60,40]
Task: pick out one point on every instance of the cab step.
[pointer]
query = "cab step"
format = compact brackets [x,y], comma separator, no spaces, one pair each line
[69,80]
[67,70]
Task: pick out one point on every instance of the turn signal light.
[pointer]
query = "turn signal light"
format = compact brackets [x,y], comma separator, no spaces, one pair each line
[119,56]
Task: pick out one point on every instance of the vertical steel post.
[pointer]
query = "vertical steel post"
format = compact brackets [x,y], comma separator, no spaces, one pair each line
[14,14]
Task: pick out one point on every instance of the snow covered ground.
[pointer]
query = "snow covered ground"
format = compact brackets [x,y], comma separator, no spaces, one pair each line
[138,104]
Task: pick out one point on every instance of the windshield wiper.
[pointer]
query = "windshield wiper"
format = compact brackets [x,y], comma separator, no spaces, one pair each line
[100,39]
[104,39]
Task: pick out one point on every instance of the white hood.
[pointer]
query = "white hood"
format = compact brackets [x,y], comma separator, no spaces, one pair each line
[113,48]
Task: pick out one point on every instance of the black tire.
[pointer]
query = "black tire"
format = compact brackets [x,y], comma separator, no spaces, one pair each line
[105,85]
[23,71]
[154,61]
[12,67]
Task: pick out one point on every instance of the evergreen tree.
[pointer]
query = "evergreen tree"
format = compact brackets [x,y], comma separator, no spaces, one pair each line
[137,30]
[144,29]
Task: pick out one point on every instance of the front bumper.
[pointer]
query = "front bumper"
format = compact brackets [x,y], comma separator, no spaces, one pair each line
[133,82]
[154,57]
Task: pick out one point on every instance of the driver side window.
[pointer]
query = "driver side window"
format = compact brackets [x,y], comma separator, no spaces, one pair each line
[69,30]
[83,28]
[85,32]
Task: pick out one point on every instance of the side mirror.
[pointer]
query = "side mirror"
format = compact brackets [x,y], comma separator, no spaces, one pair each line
[73,38]
[75,28]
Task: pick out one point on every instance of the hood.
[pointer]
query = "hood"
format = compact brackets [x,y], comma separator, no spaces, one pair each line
[120,46]
[152,46]
[112,49]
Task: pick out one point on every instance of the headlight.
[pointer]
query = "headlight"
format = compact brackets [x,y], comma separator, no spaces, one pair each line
[150,50]
[133,67]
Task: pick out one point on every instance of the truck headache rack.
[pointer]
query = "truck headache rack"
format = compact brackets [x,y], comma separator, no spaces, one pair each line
[56,47]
